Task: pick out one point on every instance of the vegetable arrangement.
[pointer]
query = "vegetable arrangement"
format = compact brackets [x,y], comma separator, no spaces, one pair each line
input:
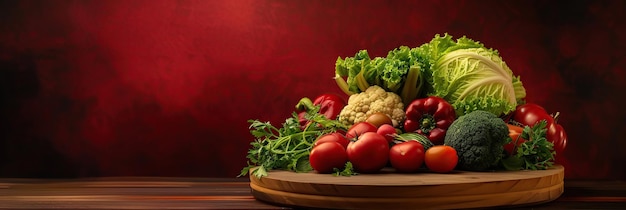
[445,105]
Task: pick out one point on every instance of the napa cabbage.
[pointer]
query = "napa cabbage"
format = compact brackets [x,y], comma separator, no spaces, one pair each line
[471,77]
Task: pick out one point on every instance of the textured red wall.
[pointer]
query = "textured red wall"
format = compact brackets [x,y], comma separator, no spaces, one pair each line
[164,88]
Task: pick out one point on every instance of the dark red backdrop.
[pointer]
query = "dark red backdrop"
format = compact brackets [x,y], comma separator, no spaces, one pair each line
[164,88]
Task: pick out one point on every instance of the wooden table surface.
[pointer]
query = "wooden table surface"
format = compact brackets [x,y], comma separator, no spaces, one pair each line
[217,193]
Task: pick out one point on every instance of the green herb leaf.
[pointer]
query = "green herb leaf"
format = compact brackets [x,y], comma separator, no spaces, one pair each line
[537,153]
[512,163]
[348,170]
[260,172]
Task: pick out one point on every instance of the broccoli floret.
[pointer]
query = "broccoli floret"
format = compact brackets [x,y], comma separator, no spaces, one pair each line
[478,138]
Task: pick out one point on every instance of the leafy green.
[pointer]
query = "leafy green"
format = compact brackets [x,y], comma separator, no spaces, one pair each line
[392,72]
[470,76]
[535,154]
[462,71]
[348,170]
[351,67]
[286,147]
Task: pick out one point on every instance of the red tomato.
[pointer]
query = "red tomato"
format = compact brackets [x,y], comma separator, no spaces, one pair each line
[360,128]
[556,134]
[514,132]
[387,131]
[407,156]
[529,114]
[327,156]
[441,158]
[332,137]
[369,153]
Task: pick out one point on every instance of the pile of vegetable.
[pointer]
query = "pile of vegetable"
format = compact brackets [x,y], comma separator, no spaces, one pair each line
[445,105]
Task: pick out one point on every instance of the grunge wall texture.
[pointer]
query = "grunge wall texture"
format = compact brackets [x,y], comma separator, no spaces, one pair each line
[164,88]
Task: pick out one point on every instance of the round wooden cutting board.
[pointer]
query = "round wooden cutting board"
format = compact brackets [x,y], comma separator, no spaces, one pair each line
[423,190]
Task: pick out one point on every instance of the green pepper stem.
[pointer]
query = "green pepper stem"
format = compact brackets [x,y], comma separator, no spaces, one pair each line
[427,123]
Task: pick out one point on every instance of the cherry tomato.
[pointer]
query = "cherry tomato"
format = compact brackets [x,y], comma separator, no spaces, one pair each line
[327,156]
[369,153]
[378,119]
[407,156]
[387,131]
[332,137]
[514,132]
[441,158]
[360,128]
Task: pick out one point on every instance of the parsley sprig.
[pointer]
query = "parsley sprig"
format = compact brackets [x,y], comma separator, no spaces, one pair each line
[286,147]
[535,154]
[348,170]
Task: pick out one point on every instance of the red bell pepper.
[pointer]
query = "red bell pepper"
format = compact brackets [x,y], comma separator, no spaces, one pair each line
[529,114]
[429,116]
[330,106]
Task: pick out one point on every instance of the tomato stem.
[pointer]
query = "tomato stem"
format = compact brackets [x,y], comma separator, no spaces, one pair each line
[555,116]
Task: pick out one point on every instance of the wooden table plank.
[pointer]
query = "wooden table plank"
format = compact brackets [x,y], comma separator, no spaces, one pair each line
[208,193]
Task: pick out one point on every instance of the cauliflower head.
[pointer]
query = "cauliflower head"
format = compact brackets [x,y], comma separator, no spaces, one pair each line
[374,100]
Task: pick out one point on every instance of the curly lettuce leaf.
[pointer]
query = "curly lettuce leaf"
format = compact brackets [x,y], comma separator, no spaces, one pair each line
[350,67]
[387,72]
[394,73]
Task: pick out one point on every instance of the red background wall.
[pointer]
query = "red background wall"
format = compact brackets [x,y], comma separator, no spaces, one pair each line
[164,88]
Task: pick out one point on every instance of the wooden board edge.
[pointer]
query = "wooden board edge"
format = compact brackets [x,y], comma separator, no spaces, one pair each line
[411,190]
[524,198]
